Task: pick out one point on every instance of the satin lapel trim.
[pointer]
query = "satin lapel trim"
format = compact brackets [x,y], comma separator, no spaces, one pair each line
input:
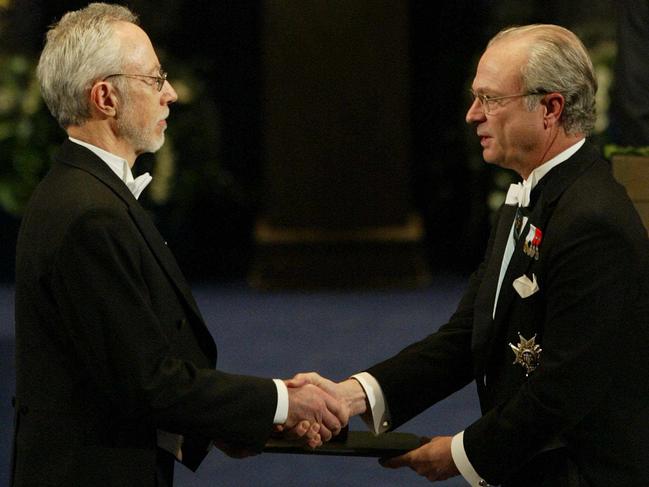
[164,256]
[519,264]
[484,304]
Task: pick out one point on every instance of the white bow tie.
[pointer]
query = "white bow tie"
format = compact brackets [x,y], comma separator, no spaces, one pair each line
[137,185]
[519,194]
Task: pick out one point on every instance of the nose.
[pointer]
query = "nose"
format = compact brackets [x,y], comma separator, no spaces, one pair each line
[475,113]
[169,93]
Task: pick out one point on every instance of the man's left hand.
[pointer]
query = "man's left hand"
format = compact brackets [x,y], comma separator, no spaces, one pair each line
[432,460]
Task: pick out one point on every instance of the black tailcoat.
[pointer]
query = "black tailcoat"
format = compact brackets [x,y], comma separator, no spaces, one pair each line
[588,400]
[110,345]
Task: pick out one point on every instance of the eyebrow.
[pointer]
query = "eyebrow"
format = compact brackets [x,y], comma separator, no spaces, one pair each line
[488,92]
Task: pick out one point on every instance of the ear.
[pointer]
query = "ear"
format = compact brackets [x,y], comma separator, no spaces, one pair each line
[103,99]
[553,104]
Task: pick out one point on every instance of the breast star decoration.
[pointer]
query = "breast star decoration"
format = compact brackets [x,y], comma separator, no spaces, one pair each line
[527,353]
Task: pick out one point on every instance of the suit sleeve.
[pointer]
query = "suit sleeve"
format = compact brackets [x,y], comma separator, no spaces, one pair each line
[435,367]
[126,349]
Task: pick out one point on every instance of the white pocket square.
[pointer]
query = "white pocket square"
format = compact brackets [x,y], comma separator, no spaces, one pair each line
[524,287]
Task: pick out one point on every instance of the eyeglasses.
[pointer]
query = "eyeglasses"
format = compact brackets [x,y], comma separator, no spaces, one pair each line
[159,80]
[487,103]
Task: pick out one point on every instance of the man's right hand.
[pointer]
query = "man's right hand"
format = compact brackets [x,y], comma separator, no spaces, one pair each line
[349,391]
[311,403]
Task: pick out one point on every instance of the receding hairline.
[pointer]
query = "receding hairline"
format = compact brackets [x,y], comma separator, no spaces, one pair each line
[534,32]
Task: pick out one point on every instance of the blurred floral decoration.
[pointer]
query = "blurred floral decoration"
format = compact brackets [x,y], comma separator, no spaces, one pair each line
[28,133]
[611,150]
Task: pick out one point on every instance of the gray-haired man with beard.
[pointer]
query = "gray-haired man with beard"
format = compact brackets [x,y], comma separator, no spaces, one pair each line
[115,366]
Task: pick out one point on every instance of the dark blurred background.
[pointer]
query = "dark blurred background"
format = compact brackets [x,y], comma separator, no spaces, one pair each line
[315,143]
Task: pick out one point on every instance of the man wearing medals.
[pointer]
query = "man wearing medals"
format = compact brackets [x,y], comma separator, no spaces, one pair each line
[554,324]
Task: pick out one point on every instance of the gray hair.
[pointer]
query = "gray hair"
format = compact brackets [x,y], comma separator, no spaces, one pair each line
[79,50]
[558,62]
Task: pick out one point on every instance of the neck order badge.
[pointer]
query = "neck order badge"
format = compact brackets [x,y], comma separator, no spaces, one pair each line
[519,222]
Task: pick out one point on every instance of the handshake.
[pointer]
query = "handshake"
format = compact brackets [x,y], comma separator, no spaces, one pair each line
[318,408]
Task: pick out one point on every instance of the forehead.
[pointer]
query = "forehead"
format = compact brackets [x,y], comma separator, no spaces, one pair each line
[499,69]
[136,47]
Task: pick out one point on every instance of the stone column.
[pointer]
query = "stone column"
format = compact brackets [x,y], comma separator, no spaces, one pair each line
[337,209]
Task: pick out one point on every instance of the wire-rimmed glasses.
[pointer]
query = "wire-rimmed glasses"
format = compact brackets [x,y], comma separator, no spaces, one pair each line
[159,80]
[487,102]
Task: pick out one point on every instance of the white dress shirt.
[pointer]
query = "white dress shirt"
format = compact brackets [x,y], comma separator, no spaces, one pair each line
[378,418]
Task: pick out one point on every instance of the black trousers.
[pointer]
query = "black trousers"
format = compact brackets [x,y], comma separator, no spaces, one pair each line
[164,471]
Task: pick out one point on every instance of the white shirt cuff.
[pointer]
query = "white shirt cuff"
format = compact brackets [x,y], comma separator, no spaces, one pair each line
[281,413]
[463,464]
[377,418]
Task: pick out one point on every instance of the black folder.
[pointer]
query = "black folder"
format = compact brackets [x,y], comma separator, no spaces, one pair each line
[352,444]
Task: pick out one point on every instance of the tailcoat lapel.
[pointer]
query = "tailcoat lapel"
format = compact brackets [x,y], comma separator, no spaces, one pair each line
[519,264]
[483,309]
[544,199]
[160,249]
[82,158]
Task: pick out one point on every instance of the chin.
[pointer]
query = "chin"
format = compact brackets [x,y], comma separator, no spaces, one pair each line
[489,158]
[155,146]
